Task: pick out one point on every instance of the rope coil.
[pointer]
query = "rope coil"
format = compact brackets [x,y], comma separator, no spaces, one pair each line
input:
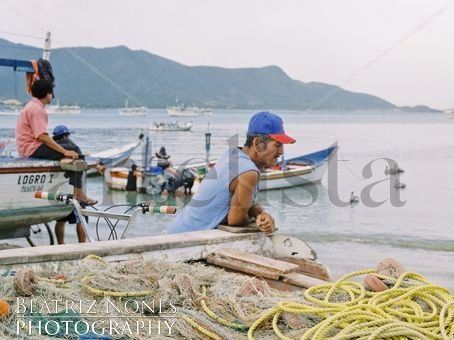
[411,308]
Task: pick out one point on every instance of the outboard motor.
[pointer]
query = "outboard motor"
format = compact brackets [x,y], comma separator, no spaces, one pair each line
[185,179]
[188,181]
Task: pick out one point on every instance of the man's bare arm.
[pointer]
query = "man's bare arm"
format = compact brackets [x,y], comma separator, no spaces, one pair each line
[243,189]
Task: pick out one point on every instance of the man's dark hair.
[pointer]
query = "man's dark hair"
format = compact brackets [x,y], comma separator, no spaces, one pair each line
[264,139]
[41,88]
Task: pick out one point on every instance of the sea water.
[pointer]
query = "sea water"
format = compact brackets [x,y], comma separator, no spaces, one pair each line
[420,233]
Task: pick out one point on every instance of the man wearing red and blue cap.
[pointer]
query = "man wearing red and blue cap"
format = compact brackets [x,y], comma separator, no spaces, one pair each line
[228,193]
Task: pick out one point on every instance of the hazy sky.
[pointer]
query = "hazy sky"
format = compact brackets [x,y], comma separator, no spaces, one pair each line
[402,51]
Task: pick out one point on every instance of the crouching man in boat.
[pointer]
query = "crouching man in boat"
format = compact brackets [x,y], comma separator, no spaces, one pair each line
[228,193]
[33,140]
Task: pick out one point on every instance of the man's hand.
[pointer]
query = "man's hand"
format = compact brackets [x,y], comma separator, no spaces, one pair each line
[71,154]
[265,222]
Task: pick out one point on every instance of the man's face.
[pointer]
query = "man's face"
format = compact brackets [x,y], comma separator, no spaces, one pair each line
[269,152]
[48,99]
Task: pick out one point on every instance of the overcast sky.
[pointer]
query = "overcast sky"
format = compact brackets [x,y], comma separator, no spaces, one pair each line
[402,51]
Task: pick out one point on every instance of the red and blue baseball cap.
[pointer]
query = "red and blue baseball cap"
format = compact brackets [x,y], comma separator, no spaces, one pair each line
[270,124]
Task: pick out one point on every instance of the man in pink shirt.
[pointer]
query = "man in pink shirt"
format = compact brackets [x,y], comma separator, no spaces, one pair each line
[32,138]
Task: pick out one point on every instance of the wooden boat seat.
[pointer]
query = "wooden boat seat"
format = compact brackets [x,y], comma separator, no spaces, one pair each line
[257,265]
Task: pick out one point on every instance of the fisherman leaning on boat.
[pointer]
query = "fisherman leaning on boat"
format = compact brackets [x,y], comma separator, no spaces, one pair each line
[228,193]
[33,140]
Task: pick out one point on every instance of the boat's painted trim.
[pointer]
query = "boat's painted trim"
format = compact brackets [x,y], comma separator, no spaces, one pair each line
[30,169]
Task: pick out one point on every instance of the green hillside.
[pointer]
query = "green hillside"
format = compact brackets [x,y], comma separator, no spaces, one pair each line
[105,77]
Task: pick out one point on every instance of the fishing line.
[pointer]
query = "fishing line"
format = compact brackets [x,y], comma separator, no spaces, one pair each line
[22,35]
[344,162]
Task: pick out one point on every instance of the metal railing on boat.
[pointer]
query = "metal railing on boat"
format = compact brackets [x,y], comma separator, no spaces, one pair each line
[140,208]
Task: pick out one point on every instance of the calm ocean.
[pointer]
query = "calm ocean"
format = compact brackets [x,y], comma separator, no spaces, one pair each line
[420,233]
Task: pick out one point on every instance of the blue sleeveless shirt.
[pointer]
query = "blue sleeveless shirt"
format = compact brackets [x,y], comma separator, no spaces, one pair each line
[211,203]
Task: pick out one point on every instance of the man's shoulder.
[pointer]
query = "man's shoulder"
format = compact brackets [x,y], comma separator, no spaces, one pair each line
[32,106]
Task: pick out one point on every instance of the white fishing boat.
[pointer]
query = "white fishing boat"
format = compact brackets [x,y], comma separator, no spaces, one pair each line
[62,109]
[10,107]
[205,111]
[297,171]
[19,179]
[132,111]
[182,111]
[111,157]
[170,126]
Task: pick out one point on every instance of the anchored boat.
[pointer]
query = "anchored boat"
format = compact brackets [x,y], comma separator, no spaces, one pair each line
[296,171]
[62,109]
[132,111]
[112,157]
[162,126]
[182,111]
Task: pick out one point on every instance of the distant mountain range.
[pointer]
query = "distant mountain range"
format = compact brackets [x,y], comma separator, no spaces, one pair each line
[105,77]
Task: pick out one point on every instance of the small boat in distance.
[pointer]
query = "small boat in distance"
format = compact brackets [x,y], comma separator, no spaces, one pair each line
[182,111]
[62,109]
[132,111]
[10,107]
[189,111]
[205,111]
[169,126]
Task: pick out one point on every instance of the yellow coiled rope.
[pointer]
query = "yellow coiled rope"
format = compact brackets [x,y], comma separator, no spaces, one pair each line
[411,308]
